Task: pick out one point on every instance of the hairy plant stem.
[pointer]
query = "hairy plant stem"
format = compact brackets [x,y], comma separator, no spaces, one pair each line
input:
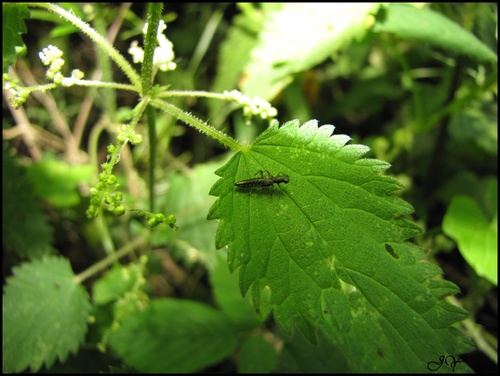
[96,37]
[150,43]
[147,76]
[198,124]
[151,118]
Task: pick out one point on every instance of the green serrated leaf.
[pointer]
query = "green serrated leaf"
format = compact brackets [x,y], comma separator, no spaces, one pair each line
[425,25]
[44,315]
[174,336]
[476,235]
[330,247]
[298,36]
[13,15]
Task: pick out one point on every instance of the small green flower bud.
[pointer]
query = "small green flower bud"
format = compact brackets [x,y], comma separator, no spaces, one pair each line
[78,74]
[121,138]
[136,139]
[91,211]
[111,180]
[159,218]
[95,200]
[119,210]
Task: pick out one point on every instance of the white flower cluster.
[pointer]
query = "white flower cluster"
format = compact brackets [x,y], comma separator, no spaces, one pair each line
[164,53]
[136,52]
[52,56]
[251,107]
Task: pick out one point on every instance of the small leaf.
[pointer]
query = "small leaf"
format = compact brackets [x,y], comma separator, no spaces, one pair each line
[329,247]
[428,26]
[44,315]
[477,236]
[173,336]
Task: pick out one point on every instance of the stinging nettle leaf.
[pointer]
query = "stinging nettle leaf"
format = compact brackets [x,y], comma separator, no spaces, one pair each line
[45,315]
[476,235]
[330,248]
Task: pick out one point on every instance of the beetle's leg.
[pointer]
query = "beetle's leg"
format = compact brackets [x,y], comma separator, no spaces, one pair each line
[261,173]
